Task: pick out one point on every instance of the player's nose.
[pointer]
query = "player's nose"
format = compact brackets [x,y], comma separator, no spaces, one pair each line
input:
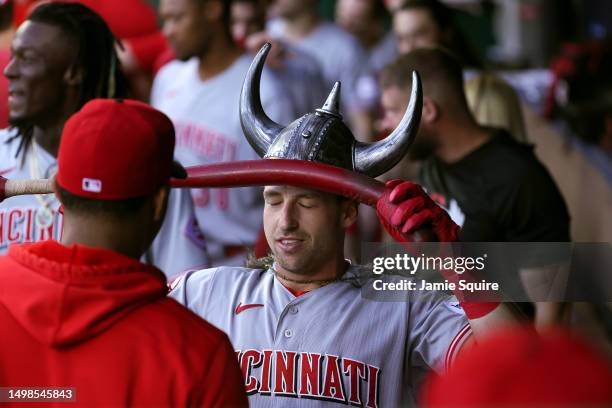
[288,217]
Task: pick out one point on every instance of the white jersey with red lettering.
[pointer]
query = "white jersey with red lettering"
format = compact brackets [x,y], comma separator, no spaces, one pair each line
[32,218]
[207,122]
[328,345]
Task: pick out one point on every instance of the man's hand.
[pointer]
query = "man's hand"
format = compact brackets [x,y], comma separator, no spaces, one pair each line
[404,208]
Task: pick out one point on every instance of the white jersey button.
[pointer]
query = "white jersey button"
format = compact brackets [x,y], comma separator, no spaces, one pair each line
[293,310]
[288,333]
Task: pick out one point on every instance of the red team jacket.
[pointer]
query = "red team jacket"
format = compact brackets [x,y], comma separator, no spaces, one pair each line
[100,322]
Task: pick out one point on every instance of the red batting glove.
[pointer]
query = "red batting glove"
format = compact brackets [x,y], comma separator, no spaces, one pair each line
[404,208]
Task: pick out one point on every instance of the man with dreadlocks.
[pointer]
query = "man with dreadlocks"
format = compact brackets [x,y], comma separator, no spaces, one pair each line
[63,55]
[300,325]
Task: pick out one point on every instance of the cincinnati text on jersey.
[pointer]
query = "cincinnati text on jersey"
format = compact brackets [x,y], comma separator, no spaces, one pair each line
[310,375]
[19,225]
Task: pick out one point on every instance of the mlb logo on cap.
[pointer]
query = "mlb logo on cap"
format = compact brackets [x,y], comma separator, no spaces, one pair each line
[92,185]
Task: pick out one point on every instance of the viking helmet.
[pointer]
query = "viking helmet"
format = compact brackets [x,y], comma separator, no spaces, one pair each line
[322,136]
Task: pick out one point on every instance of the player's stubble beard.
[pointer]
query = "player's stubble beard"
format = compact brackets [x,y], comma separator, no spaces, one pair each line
[309,260]
[296,263]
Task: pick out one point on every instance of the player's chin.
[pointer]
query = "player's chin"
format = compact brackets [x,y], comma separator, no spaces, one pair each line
[292,256]
[291,264]
[18,118]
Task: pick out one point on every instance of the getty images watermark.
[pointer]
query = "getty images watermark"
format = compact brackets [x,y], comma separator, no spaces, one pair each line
[460,272]
[514,271]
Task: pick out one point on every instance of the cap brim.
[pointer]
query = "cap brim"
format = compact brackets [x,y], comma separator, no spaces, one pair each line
[178,171]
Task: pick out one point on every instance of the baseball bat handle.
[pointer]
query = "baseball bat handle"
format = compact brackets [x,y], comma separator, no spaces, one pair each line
[13,188]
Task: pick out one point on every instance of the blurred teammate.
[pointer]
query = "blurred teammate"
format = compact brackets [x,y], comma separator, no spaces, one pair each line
[200,93]
[64,55]
[339,54]
[300,75]
[53,71]
[365,20]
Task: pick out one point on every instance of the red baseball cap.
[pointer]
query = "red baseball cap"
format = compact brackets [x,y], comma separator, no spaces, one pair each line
[114,149]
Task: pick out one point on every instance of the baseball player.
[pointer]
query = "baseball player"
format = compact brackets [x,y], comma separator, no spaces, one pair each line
[44,90]
[339,54]
[199,92]
[300,75]
[49,81]
[302,332]
[84,313]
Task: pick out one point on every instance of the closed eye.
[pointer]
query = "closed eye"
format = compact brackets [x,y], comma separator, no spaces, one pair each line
[272,198]
[308,202]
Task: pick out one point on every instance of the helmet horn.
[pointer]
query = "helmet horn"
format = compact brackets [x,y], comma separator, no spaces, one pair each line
[258,128]
[376,158]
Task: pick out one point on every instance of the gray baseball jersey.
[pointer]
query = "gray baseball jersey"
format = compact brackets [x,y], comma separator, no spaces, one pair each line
[341,58]
[179,245]
[302,77]
[32,218]
[327,345]
[207,122]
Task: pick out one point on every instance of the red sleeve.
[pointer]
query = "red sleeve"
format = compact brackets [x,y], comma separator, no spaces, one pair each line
[224,386]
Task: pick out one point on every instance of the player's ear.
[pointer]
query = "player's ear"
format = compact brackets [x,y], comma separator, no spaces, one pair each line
[73,76]
[350,211]
[160,203]
[431,110]
[55,189]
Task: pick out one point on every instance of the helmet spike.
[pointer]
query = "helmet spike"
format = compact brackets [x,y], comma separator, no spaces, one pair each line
[332,103]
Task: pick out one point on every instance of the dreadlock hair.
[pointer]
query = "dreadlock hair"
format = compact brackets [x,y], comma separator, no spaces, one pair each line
[96,55]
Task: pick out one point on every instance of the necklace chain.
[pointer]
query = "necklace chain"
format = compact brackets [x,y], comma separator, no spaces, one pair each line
[45,216]
[320,282]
